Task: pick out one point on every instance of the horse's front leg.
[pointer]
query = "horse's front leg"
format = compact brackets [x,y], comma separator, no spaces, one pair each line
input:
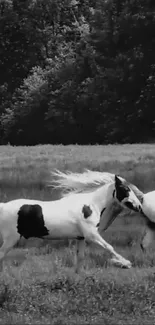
[94,236]
[148,237]
[80,246]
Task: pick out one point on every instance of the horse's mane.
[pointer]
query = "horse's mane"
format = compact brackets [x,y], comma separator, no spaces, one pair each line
[88,181]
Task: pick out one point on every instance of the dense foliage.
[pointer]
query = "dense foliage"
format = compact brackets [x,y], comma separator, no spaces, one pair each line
[77,71]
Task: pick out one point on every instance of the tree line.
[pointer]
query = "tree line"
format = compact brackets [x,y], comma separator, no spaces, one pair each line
[77,71]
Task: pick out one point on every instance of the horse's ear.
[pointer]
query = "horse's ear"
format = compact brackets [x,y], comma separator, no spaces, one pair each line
[118,182]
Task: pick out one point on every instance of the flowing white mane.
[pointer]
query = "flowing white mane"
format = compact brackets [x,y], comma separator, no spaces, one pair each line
[70,182]
[84,182]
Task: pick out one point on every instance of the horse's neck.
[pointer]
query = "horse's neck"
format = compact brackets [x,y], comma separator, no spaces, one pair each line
[148,205]
[103,196]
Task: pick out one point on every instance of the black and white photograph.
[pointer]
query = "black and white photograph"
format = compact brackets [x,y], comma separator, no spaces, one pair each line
[77,162]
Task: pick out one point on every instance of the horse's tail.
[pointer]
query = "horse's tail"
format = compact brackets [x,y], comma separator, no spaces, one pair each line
[79,182]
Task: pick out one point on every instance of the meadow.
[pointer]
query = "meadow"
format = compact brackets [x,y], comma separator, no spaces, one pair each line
[43,288]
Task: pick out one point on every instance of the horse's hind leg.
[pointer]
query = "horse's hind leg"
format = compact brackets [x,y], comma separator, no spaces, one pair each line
[8,242]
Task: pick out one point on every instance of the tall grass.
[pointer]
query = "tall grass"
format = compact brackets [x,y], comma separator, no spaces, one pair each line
[43,289]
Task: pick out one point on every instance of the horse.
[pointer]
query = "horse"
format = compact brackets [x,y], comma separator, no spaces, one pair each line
[148,210]
[76,182]
[73,216]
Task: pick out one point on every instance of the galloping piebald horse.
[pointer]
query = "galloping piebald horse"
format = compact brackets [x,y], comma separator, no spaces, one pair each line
[76,182]
[74,216]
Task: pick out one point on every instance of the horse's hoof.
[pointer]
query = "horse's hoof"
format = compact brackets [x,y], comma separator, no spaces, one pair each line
[123,265]
[127,266]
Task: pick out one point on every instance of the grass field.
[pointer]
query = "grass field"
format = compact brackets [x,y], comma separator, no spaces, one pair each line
[44,289]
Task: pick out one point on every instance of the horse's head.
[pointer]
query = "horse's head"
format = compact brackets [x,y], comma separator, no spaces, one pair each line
[125,195]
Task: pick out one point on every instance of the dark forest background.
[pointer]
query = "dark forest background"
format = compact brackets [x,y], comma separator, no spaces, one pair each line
[77,71]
